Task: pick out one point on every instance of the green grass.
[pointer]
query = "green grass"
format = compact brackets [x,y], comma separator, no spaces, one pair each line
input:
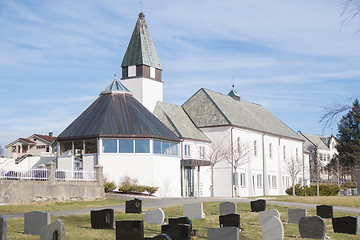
[78,227]
[48,206]
[344,201]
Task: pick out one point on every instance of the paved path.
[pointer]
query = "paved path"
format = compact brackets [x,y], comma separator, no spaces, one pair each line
[150,203]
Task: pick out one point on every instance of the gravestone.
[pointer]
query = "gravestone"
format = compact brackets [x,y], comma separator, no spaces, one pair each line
[258,205]
[347,225]
[156,216]
[180,220]
[312,227]
[193,210]
[133,206]
[294,215]
[35,221]
[54,231]
[177,231]
[130,230]
[265,214]
[230,220]
[272,229]
[324,211]
[226,208]
[3,227]
[159,237]
[102,219]
[225,233]
[358,179]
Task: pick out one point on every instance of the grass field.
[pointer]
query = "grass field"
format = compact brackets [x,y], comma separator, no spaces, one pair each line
[344,201]
[78,227]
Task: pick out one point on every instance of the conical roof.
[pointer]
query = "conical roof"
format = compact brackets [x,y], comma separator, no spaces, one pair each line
[116,114]
[115,87]
[141,49]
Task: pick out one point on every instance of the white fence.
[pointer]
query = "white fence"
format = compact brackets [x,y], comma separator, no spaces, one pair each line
[75,175]
[28,174]
[42,174]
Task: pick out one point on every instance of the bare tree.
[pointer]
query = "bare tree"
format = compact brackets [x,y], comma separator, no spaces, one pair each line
[294,167]
[214,155]
[236,155]
[315,167]
[336,168]
[351,10]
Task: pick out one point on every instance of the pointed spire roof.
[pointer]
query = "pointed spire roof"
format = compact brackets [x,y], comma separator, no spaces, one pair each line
[115,87]
[141,49]
[234,95]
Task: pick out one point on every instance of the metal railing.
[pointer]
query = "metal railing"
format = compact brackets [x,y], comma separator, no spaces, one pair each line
[64,175]
[28,174]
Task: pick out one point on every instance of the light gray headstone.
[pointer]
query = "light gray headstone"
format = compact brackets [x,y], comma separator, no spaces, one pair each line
[265,214]
[226,208]
[193,210]
[358,226]
[35,221]
[57,228]
[312,227]
[156,216]
[225,233]
[272,229]
[358,179]
[3,227]
[295,214]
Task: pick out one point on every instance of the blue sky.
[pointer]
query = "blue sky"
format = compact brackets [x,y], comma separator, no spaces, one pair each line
[291,57]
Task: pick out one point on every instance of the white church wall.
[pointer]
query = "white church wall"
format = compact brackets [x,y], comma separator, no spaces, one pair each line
[167,175]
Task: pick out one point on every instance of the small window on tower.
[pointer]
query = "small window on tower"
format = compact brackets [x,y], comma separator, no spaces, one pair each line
[152,72]
[131,71]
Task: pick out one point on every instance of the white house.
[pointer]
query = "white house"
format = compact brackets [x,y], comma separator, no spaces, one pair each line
[321,150]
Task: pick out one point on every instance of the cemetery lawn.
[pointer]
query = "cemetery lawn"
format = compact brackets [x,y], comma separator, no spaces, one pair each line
[48,206]
[78,227]
[340,201]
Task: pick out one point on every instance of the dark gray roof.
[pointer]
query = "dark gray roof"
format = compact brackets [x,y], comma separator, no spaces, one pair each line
[141,49]
[208,109]
[175,118]
[117,115]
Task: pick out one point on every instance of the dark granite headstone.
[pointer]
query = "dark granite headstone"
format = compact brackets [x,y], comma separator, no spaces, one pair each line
[181,220]
[102,219]
[324,211]
[258,205]
[345,225]
[133,206]
[230,220]
[130,230]
[312,227]
[3,227]
[159,237]
[177,231]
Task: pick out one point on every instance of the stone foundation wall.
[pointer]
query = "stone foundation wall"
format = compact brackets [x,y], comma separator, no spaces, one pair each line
[17,191]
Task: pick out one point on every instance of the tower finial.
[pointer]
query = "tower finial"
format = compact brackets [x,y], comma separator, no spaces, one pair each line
[115,76]
[141,5]
[233,84]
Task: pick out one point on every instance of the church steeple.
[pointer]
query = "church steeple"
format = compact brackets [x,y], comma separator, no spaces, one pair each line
[141,67]
[141,59]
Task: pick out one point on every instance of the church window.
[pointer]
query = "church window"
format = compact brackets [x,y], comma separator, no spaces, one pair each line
[152,72]
[270,150]
[284,152]
[259,180]
[65,148]
[126,145]
[202,152]
[187,150]
[157,147]
[109,145]
[242,180]
[90,146]
[255,148]
[142,146]
[274,183]
[297,154]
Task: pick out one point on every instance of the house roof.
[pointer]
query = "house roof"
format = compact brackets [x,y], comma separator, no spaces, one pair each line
[207,108]
[321,142]
[26,140]
[116,115]
[175,118]
[141,49]
[47,138]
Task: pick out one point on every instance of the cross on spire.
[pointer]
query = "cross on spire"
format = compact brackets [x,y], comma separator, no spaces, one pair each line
[141,5]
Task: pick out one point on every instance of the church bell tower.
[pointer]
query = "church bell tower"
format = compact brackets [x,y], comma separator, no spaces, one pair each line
[141,67]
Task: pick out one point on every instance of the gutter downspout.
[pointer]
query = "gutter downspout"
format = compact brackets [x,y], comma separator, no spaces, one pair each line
[182,170]
[264,166]
[232,162]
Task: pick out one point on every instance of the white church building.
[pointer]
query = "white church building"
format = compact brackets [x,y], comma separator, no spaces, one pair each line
[212,145]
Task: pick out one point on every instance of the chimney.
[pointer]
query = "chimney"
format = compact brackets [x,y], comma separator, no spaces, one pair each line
[51,134]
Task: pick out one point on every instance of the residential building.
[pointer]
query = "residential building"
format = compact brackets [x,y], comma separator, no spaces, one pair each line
[321,150]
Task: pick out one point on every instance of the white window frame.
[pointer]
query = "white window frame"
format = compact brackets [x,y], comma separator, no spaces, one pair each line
[259,180]
[187,150]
